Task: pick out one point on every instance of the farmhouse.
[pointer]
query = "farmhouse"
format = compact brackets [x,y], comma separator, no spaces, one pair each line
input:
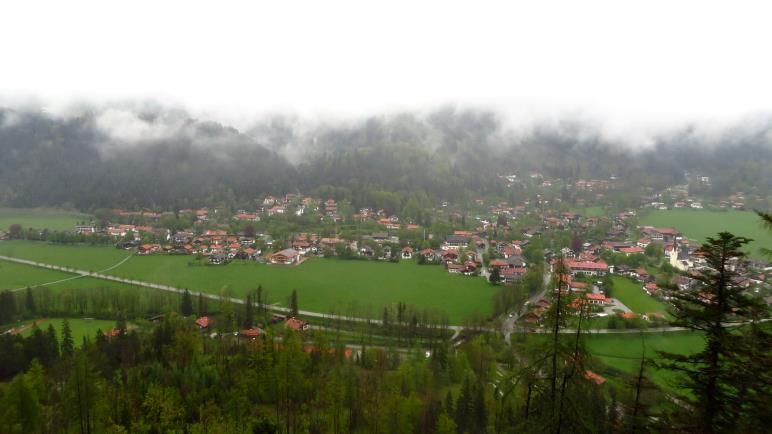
[286,256]
[407,252]
[218,259]
[455,242]
[593,298]
[599,268]
[510,275]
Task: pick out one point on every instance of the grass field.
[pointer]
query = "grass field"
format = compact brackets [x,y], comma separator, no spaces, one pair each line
[40,218]
[699,224]
[326,285]
[80,327]
[13,276]
[623,351]
[322,285]
[631,294]
[83,257]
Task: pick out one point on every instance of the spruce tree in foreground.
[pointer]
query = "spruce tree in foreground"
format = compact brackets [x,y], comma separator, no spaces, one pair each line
[715,398]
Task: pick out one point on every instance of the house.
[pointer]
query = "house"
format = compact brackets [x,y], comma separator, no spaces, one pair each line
[510,275]
[146,249]
[599,299]
[578,286]
[218,259]
[203,322]
[456,268]
[650,288]
[366,251]
[450,256]
[296,324]
[85,229]
[632,250]
[252,333]
[498,263]
[455,242]
[428,254]
[286,257]
[599,268]
[407,252]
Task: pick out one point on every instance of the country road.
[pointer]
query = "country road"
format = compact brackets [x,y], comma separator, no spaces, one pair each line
[456,328]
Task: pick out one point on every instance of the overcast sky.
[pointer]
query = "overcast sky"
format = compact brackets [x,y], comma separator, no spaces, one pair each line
[642,60]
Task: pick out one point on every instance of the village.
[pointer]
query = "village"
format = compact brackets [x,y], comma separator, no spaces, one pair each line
[490,243]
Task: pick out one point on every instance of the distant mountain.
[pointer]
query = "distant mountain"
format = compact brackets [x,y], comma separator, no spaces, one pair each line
[125,157]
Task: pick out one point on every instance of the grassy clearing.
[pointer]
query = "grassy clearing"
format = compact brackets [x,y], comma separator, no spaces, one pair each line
[326,285]
[40,218]
[700,224]
[89,258]
[620,353]
[631,294]
[623,351]
[323,285]
[80,327]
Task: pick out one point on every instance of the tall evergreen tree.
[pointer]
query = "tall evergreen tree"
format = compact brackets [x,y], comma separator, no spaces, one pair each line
[68,345]
[249,314]
[29,302]
[186,304]
[708,308]
[201,305]
[293,304]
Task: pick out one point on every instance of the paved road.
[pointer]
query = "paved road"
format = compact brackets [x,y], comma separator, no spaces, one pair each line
[99,275]
[508,326]
[457,329]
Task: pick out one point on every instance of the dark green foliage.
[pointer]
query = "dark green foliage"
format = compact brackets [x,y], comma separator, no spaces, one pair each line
[186,304]
[718,389]
[293,303]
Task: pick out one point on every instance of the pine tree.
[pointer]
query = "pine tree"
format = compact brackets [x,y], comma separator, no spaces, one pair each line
[708,308]
[29,302]
[249,314]
[293,304]
[201,305]
[495,276]
[186,305]
[68,346]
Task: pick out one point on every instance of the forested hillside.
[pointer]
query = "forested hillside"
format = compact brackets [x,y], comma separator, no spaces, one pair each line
[165,158]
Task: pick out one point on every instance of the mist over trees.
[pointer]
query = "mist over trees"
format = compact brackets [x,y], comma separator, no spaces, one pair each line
[112,157]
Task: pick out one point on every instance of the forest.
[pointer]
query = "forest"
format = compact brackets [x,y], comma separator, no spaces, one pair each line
[165,374]
[163,158]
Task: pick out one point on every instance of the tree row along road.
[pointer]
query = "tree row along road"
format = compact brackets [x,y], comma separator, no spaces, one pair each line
[456,328]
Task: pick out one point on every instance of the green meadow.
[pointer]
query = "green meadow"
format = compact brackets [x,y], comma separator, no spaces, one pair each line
[40,218]
[14,276]
[80,327]
[623,351]
[90,258]
[632,295]
[326,285]
[700,224]
[323,285]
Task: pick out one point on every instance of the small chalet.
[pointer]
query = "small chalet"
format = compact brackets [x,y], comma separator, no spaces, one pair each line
[286,257]
[407,252]
[218,259]
[296,324]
